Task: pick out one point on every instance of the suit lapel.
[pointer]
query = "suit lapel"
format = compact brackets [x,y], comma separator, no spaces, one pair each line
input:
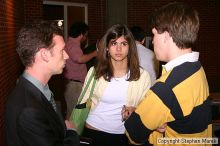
[44,104]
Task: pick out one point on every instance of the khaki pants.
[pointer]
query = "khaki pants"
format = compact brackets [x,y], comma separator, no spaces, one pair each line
[71,94]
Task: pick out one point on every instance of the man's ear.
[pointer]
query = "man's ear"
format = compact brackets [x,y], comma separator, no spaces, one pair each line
[167,35]
[44,54]
[81,36]
[143,40]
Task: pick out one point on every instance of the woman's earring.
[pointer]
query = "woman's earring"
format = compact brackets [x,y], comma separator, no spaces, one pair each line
[108,54]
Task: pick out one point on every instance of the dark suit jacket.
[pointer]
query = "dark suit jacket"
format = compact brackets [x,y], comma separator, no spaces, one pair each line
[31,120]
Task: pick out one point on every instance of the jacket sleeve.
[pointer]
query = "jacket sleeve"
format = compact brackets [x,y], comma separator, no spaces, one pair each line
[71,138]
[149,115]
[36,129]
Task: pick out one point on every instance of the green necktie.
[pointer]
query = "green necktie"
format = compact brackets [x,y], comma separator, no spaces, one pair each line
[53,102]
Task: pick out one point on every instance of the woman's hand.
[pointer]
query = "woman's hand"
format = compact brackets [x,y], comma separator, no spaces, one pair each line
[126,112]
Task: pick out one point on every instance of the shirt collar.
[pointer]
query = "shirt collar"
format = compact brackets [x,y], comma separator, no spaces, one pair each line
[76,41]
[43,88]
[189,57]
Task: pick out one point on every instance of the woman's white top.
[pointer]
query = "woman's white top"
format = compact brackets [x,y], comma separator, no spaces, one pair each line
[106,116]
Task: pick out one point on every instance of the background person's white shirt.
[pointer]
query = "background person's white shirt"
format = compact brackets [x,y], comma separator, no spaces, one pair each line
[148,61]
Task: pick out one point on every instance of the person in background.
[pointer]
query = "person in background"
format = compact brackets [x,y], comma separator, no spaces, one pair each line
[76,70]
[180,97]
[31,114]
[120,83]
[90,48]
[146,56]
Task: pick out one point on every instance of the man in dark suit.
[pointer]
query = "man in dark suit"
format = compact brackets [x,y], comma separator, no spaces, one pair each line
[32,118]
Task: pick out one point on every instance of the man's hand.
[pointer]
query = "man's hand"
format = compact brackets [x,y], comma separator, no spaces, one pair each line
[69,125]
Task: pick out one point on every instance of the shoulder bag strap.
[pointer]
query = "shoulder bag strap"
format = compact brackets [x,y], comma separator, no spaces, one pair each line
[86,87]
[92,89]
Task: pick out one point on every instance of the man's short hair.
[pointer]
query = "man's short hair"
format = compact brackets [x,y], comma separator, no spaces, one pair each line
[180,21]
[138,33]
[34,36]
[78,28]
